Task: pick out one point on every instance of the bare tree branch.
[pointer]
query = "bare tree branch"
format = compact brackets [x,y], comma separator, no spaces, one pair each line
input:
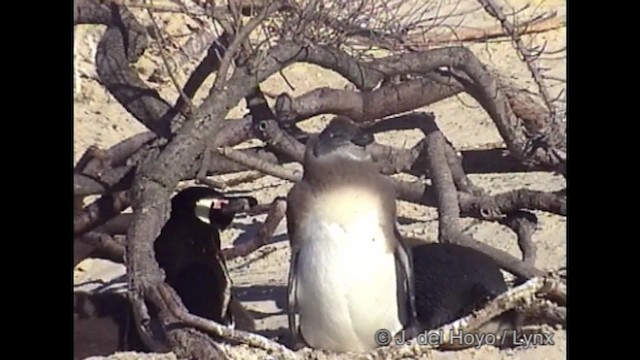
[367,106]
[99,212]
[116,226]
[484,34]
[494,10]
[121,45]
[449,210]
[90,12]
[165,60]
[102,244]
[257,164]
[274,217]
[208,65]
[523,223]
[239,38]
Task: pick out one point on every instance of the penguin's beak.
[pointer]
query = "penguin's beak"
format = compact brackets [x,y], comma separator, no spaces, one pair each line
[363,139]
[238,204]
[222,209]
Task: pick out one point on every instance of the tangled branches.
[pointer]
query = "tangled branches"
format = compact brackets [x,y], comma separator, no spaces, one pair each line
[187,141]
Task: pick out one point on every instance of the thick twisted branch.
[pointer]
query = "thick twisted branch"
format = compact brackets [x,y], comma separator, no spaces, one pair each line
[101,244]
[461,65]
[121,45]
[368,105]
[494,10]
[111,178]
[449,210]
[99,212]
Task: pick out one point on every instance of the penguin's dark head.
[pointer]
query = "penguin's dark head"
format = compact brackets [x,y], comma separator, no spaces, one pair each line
[209,206]
[344,138]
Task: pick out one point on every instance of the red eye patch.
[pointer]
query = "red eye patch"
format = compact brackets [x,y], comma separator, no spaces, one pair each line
[219,203]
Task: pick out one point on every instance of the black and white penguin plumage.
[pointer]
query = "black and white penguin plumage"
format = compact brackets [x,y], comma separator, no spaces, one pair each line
[188,250]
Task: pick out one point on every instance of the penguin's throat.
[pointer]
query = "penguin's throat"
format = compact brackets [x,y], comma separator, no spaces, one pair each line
[347,207]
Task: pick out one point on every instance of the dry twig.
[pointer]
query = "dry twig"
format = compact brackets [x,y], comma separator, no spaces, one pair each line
[494,10]
[484,34]
[258,164]
[165,60]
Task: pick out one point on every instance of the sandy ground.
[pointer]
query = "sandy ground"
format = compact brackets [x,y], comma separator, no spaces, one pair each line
[260,279]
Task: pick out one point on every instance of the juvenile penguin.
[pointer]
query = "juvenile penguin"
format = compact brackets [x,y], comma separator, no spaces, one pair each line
[188,250]
[350,273]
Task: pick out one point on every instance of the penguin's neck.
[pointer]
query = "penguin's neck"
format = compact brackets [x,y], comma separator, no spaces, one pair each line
[329,174]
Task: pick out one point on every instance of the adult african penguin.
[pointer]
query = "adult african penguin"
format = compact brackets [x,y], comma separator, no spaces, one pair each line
[188,250]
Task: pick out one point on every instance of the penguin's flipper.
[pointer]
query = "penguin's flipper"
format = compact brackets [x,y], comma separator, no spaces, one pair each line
[404,262]
[292,304]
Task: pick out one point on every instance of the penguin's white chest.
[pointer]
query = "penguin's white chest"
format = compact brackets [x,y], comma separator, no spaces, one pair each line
[346,276]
